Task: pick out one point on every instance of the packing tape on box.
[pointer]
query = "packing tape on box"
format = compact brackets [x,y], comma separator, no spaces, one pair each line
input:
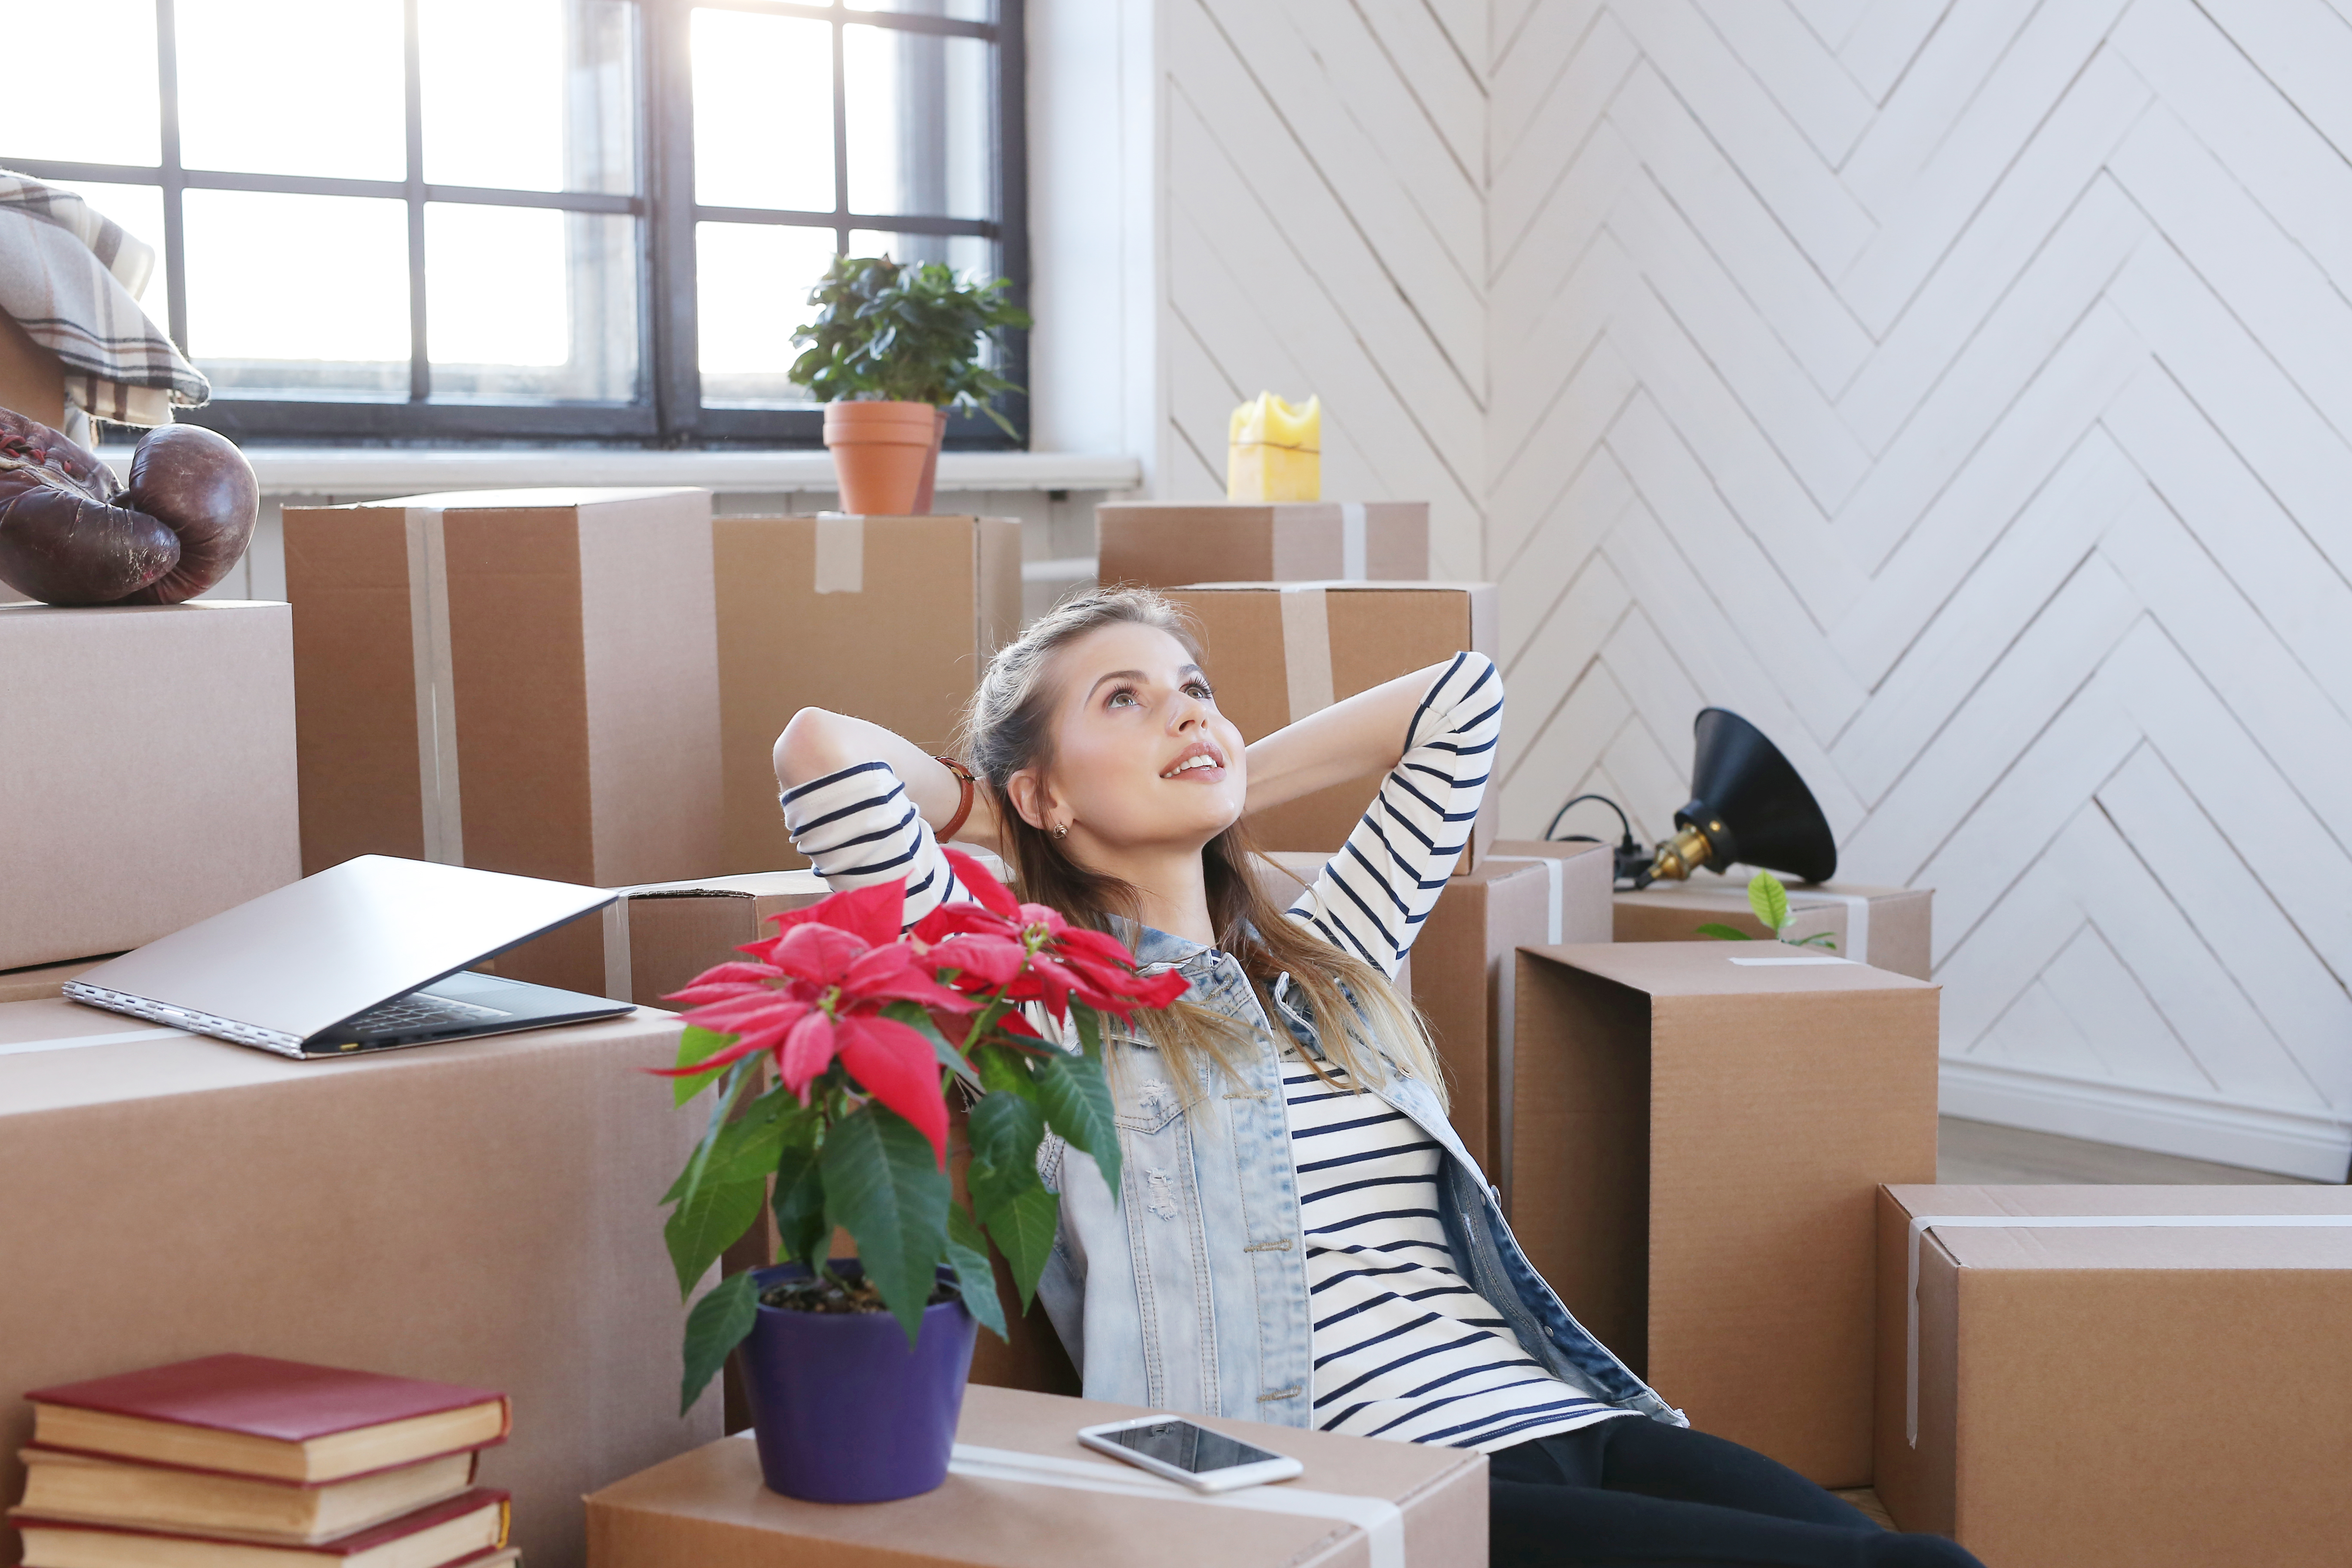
[840,552]
[1922,1224]
[1555,870]
[74,1042]
[436,712]
[1382,1520]
[1351,541]
[1307,648]
[1857,920]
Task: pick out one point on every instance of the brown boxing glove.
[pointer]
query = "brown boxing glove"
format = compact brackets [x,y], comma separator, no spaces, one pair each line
[70,534]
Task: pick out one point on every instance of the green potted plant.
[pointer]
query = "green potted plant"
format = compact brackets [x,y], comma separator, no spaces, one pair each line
[1770,901]
[856,1367]
[892,348]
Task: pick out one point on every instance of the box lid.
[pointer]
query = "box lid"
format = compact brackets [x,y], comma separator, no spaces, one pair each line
[2145,1228]
[1723,969]
[1024,1493]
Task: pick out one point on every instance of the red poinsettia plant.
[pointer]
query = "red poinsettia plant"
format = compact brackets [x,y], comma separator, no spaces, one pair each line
[868,1029]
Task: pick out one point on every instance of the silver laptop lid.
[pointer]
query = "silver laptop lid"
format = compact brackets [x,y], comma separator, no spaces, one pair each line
[292,962]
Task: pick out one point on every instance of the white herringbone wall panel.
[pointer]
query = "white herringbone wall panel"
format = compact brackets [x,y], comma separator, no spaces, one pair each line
[1960,389]
[1323,214]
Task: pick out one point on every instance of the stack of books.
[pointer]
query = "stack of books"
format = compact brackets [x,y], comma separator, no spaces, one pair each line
[240,1461]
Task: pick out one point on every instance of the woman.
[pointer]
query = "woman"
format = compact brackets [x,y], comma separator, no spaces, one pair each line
[1301,1237]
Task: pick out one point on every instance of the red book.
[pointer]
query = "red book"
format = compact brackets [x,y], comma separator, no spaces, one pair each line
[466,1527]
[252,1415]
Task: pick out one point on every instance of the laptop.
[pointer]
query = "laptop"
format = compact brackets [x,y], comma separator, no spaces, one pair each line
[362,957]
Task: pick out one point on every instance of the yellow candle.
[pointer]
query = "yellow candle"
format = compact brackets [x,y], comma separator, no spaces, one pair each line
[1273,450]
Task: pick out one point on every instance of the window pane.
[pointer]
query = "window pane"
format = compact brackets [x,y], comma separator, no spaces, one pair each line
[762,111]
[529,95]
[920,134]
[961,10]
[967,253]
[755,282]
[137,211]
[293,86]
[523,301]
[298,296]
[51,109]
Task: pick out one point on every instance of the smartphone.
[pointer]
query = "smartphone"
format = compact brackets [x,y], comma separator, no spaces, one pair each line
[1171,1446]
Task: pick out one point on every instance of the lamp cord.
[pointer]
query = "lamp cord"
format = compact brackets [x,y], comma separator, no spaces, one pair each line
[1632,861]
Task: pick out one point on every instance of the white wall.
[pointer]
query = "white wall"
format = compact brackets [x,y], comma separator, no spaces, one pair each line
[1960,391]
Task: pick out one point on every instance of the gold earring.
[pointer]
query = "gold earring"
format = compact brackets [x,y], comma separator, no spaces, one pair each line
[1061,833]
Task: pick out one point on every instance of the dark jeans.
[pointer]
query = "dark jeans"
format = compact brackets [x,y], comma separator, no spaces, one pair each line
[1635,1491]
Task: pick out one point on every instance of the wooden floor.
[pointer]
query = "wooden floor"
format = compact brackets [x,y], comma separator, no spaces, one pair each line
[1979,1153]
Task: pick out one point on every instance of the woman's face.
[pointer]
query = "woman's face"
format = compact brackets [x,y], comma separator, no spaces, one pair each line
[1141,757]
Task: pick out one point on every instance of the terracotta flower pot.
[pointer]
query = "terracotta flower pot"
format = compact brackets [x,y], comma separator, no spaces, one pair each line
[878,453]
[931,466]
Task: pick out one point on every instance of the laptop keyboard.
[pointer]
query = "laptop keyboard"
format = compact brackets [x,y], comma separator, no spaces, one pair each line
[419,1010]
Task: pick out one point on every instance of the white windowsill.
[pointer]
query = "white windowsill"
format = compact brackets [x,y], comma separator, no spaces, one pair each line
[389,471]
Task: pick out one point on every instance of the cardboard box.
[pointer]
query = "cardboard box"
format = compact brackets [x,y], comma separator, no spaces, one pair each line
[654,938]
[32,379]
[1025,1493]
[1165,544]
[1467,984]
[1277,652]
[1886,928]
[1586,877]
[520,680]
[2123,1395]
[146,771]
[1698,1134]
[482,1213]
[884,618]
[44,980]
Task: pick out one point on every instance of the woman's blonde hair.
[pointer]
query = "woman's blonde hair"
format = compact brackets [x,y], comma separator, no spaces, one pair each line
[1361,1024]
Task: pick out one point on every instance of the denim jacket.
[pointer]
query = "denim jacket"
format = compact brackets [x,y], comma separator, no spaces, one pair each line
[1187,1291]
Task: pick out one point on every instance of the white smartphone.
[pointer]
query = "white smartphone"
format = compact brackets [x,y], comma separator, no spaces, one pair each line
[1176,1448]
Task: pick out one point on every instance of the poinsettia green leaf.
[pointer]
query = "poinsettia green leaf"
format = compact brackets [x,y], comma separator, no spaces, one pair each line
[976,1276]
[1722,932]
[1077,1103]
[747,1148]
[1020,1214]
[1003,1069]
[1770,900]
[694,1044]
[883,1184]
[719,1323]
[799,1200]
[1089,1024]
[708,1222]
[1021,1221]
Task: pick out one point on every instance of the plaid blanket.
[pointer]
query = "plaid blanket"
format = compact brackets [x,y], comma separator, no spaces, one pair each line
[71,278]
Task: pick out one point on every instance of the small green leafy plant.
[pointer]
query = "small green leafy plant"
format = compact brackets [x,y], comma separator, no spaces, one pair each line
[907,333]
[1770,900]
[868,1029]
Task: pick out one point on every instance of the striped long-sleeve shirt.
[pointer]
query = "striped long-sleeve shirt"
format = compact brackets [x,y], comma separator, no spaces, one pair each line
[1403,1347]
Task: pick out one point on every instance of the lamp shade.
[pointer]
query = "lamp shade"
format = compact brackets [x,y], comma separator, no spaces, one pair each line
[1750,804]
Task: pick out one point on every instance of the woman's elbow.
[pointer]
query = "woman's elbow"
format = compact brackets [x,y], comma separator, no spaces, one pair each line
[810,746]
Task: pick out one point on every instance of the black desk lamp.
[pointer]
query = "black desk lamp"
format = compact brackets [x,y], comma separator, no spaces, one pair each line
[1748,806]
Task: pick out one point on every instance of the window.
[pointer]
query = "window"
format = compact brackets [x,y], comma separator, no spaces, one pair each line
[526,219]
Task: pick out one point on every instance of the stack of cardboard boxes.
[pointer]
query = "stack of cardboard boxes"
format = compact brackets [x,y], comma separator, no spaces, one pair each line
[1690,1137]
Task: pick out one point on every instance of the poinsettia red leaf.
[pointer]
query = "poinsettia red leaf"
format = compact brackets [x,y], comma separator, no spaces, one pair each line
[1100,946]
[733,1017]
[807,1051]
[873,914]
[703,995]
[1160,991]
[910,985]
[725,1056]
[993,960]
[1054,985]
[1039,915]
[983,885]
[819,952]
[735,970]
[897,1066]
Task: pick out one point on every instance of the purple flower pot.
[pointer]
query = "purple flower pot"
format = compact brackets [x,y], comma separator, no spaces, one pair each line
[842,1408]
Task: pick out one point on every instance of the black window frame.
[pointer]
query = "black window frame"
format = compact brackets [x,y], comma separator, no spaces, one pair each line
[668,410]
